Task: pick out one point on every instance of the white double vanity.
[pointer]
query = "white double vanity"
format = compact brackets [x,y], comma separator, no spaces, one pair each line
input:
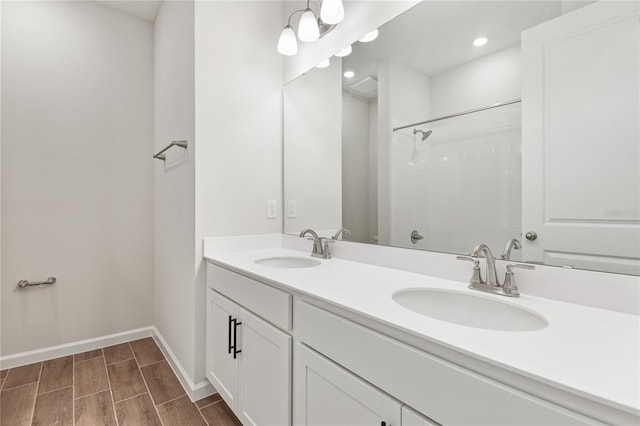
[324,342]
[384,335]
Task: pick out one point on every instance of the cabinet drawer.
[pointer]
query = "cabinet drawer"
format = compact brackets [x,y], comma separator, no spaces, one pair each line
[265,301]
[445,392]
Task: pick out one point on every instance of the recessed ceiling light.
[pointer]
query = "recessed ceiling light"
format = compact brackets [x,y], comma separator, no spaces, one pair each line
[324,64]
[344,52]
[349,74]
[369,36]
[480,41]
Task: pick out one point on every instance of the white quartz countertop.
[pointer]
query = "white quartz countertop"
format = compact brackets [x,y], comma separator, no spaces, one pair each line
[591,352]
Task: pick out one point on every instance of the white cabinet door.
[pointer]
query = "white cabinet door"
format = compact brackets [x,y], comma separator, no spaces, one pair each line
[581,138]
[222,368]
[411,417]
[325,394]
[265,373]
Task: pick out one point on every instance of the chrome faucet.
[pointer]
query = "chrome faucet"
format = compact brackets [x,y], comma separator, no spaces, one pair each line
[320,245]
[511,245]
[492,285]
[341,231]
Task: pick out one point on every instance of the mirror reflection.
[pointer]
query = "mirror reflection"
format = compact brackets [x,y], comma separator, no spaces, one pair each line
[470,122]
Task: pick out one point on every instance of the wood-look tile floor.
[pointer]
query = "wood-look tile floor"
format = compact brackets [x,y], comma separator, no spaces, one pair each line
[126,384]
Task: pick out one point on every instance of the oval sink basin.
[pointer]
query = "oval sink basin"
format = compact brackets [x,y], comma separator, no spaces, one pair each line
[469,310]
[290,262]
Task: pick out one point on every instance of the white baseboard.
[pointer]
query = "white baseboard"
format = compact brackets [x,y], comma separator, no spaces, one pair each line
[29,357]
[196,391]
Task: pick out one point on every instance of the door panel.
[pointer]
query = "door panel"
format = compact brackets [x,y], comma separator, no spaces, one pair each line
[265,373]
[581,138]
[325,394]
[222,368]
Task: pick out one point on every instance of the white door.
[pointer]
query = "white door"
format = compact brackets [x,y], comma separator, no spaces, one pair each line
[325,394]
[265,373]
[411,417]
[222,367]
[581,139]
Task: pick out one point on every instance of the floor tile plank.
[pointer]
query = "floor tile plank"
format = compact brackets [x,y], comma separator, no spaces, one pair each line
[146,351]
[22,375]
[56,374]
[208,400]
[95,410]
[219,414]
[180,412]
[3,374]
[138,411]
[17,405]
[90,377]
[54,408]
[117,353]
[126,380]
[163,384]
[84,356]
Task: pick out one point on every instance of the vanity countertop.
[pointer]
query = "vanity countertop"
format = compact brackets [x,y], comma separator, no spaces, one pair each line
[593,353]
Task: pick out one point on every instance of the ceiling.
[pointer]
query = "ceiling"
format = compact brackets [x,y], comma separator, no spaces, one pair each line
[143,9]
[435,36]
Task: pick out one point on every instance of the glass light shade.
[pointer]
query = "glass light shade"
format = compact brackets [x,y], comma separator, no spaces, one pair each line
[332,11]
[324,64]
[369,36]
[308,28]
[287,44]
[344,52]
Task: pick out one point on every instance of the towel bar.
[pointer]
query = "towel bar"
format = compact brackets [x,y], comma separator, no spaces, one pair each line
[27,283]
[161,156]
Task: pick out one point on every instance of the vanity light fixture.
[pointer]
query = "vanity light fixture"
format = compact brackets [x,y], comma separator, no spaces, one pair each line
[480,41]
[344,52]
[349,74]
[287,44]
[310,27]
[324,64]
[370,36]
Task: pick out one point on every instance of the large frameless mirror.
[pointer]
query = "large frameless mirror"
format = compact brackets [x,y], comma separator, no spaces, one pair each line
[453,127]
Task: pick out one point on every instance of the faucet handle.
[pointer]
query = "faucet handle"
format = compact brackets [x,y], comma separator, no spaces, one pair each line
[511,266]
[326,253]
[509,287]
[475,260]
[476,278]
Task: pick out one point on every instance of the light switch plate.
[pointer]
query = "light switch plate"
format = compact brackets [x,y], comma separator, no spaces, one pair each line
[292,209]
[272,209]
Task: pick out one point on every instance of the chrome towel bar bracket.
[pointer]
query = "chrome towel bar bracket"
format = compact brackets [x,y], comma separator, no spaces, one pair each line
[161,156]
[26,283]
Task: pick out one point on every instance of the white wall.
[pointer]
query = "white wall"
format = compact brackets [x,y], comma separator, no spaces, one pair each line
[360,18]
[313,149]
[490,79]
[355,167]
[174,206]
[238,86]
[77,182]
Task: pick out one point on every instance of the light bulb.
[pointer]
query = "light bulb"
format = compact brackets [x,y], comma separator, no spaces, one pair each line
[332,11]
[324,64]
[369,36]
[308,28]
[287,44]
[481,41]
[344,52]
[349,74]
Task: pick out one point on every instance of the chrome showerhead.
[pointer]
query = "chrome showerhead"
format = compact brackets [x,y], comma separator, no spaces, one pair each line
[425,135]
